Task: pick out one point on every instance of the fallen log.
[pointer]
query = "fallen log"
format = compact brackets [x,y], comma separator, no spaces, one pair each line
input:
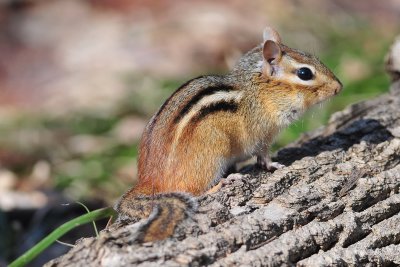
[336,203]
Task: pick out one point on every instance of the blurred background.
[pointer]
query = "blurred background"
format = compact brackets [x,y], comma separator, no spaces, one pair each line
[80,79]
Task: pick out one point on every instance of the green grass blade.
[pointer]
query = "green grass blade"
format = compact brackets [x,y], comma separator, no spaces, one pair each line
[60,231]
[88,211]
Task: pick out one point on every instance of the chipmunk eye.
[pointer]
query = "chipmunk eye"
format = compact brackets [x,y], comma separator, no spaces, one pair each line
[305,74]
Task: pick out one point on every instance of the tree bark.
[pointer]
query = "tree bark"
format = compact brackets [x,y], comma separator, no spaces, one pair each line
[337,203]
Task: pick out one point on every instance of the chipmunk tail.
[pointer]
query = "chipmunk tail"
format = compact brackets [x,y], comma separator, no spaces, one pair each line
[162,213]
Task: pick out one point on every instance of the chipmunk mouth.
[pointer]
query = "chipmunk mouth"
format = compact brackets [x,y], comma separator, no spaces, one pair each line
[295,114]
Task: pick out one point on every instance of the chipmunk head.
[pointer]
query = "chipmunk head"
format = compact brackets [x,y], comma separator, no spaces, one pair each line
[295,80]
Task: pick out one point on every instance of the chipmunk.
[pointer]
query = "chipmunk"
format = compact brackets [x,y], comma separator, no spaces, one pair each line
[211,122]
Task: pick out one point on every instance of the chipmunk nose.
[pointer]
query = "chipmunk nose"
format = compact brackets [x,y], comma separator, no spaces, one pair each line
[338,86]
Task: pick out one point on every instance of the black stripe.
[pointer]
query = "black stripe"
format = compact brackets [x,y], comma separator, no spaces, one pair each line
[223,105]
[153,122]
[205,92]
[156,213]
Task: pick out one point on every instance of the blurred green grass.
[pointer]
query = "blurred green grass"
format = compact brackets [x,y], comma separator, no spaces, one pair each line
[368,48]
[97,173]
[339,46]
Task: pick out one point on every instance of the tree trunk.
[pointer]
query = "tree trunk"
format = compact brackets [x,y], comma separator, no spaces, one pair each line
[337,203]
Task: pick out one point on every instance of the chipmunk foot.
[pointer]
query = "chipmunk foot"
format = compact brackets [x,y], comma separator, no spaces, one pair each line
[265,163]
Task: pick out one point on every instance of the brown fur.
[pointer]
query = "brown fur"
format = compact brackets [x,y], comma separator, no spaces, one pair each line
[163,213]
[268,98]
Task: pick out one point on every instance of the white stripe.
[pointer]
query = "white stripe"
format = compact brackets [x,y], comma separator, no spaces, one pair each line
[302,65]
[204,102]
[295,79]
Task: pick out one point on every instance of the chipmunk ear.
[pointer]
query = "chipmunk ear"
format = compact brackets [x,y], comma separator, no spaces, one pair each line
[271,34]
[272,52]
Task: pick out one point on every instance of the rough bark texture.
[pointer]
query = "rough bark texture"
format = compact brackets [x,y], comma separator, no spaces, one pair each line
[336,204]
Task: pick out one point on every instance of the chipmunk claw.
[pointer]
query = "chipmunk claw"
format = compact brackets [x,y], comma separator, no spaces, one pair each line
[265,163]
[275,166]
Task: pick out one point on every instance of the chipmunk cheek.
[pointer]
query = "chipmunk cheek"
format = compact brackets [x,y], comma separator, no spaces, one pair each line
[298,102]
